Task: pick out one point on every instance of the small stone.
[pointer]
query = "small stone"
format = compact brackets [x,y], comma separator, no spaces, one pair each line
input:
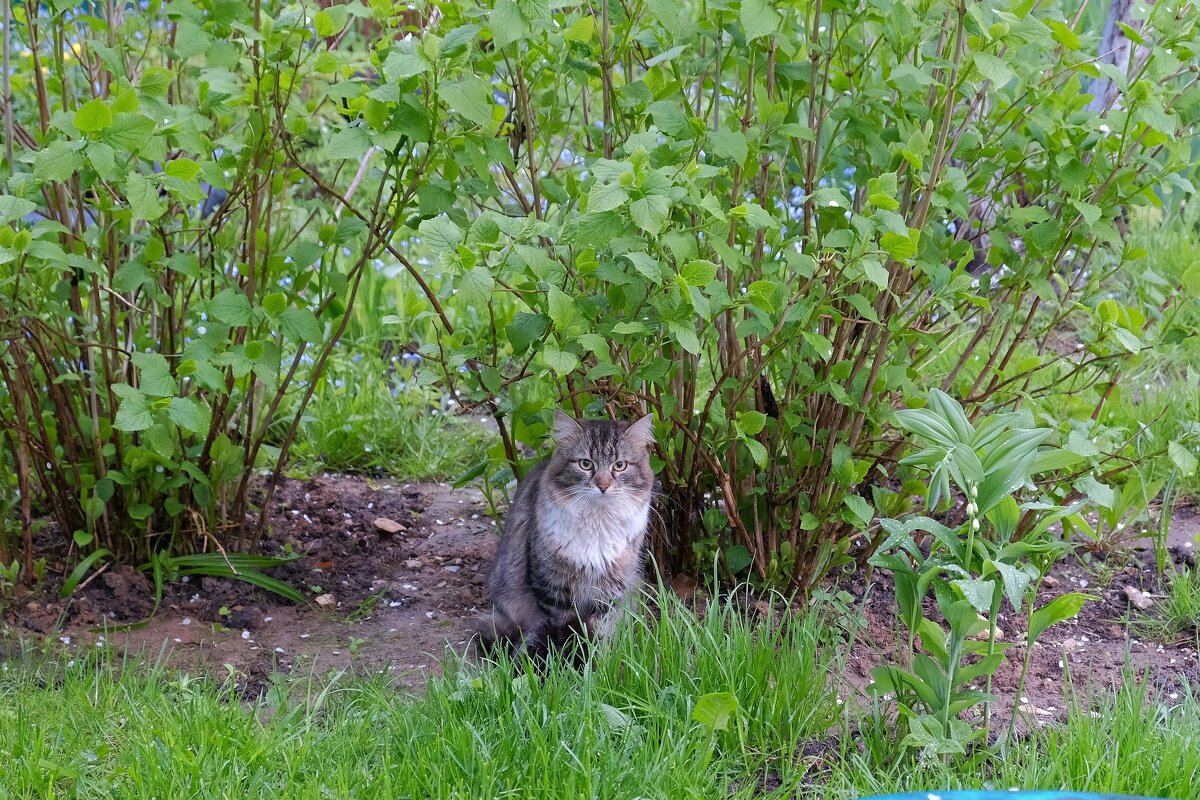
[325,600]
[452,568]
[1137,598]
[388,526]
[414,563]
[1050,581]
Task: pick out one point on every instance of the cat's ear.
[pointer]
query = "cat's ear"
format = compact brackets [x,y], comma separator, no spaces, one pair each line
[565,427]
[641,433]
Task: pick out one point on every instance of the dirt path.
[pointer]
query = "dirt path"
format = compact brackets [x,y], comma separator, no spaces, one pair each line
[380,602]
[393,602]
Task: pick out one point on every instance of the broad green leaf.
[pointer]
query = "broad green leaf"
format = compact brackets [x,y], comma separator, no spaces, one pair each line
[729,144]
[650,212]
[144,201]
[751,422]
[560,361]
[993,68]
[476,285]
[95,115]
[757,452]
[471,97]
[606,197]
[129,131]
[862,510]
[188,414]
[698,273]
[13,208]
[154,374]
[647,265]
[301,325]
[405,60]
[1183,458]
[133,413]
[562,308]
[581,30]
[231,306]
[525,329]
[737,558]
[441,234]
[506,23]
[185,169]
[156,80]
[1058,610]
[759,18]
[1099,493]
[715,710]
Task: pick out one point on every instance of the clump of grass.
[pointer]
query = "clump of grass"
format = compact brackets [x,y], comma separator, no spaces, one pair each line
[620,727]
[1176,615]
[368,415]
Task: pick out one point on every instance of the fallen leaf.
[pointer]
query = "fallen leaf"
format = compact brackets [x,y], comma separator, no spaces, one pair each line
[325,600]
[1137,598]
[389,525]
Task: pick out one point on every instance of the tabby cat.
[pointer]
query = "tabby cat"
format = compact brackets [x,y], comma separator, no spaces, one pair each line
[571,550]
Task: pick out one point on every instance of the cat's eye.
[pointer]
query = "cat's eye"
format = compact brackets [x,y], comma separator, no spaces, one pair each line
[585,464]
[619,466]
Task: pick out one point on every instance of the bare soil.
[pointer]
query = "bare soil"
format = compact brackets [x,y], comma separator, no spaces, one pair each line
[394,603]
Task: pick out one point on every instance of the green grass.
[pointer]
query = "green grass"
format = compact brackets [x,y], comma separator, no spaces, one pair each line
[367,417]
[621,728]
[1176,615]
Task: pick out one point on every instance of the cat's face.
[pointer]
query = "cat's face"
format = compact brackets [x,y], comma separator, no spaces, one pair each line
[601,461]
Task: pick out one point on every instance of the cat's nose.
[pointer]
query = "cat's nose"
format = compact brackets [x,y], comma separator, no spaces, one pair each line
[602,483]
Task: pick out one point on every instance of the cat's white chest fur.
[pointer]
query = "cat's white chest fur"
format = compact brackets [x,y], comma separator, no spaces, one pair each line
[592,536]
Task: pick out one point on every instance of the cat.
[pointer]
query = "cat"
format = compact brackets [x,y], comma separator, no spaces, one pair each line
[571,550]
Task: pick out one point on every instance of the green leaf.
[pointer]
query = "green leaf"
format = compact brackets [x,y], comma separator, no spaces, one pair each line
[729,144]
[129,131]
[647,265]
[751,423]
[757,452]
[909,79]
[1097,492]
[581,30]
[185,169]
[650,212]
[1015,581]
[93,116]
[188,414]
[755,215]
[862,510]
[441,234]
[405,60]
[525,329]
[876,272]
[715,710]
[685,334]
[993,68]
[58,160]
[1183,458]
[560,361]
[154,374]
[274,303]
[737,558]
[506,23]
[143,197]
[901,248]
[1057,610]
[881,192]
[301,325]
[13,208]
[978,593]
[231,306]
[475,285]
[606,197]
[698,273]
[759,18]
[133,413]
[155,81]
[471,97]
[562,308]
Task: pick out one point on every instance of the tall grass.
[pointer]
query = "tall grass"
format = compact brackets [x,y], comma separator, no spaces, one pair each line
[622,727]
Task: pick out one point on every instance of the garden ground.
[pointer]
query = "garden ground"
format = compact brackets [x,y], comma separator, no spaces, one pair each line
[394,602]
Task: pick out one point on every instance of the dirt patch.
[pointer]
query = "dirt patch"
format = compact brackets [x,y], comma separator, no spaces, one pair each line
[379,601]
[393,602]
[1090,652]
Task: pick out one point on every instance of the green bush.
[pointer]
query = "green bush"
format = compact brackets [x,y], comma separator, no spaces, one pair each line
[771,224]
[768,223]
